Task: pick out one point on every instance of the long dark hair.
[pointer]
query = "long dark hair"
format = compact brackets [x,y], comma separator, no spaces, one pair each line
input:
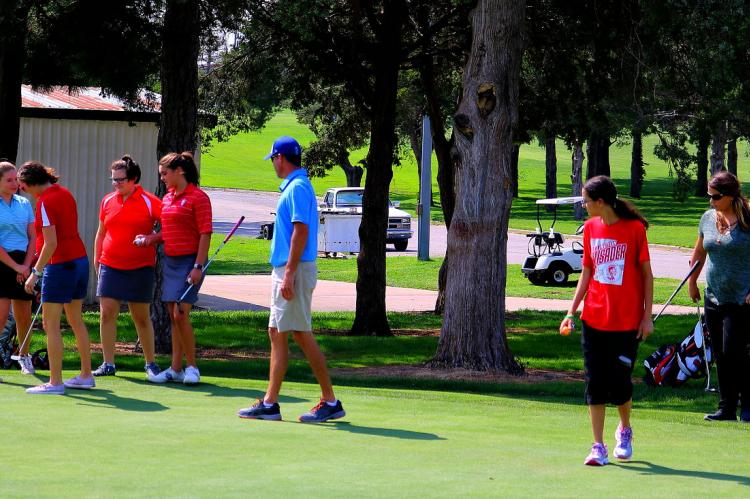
[602,187]
[183,160]
[728,185]
[35,173]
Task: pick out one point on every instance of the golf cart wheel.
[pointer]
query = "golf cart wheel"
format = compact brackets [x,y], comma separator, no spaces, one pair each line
[401,245]
[557,274]
[537,279]
[267,232]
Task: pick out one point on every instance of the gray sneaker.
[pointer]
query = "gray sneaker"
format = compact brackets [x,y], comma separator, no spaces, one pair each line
[168,375]
[191,375]
[46,389]
[80,383]
[323,412]
[27,367]
[105,370]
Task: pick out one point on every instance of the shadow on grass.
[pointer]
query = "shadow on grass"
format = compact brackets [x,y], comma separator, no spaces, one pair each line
[648,468]
[382,432]
[99,397]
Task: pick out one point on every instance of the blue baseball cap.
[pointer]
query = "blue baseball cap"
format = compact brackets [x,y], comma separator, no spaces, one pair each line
[285,145]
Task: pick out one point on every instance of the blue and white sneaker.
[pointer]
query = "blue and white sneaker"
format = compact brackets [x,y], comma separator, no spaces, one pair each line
[624,437]
[80,383]
[46,389]
[152,369]
[323,412]
[168,375]
[259,411]
[191,375]
[105,370]
[598,455]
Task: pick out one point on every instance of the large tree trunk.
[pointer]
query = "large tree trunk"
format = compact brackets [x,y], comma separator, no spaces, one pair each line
[598,155]
[718,142]
[178,128]
[576,177]
[370,315]
[732,156]
[352,172]
[701,161]
[473,332]
[550,167]
[13,15]
[636,166]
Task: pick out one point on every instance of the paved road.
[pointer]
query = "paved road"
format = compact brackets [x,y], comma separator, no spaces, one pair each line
[229,205]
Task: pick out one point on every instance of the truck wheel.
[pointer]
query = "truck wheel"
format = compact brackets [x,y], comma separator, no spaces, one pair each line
[558,274]
[401,245]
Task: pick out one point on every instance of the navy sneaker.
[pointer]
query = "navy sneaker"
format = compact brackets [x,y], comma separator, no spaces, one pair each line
[745,415]
[259,411]
[105,370]
[722,415]
[323,412]
[152,369]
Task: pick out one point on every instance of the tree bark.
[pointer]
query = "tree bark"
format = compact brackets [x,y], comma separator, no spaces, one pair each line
[13,15]
[178,127]
[576,178]
[636,166]
[370,315]
[718,143]
[732,156]
[352,172]
[473,332]
[550,166]
[514,169]
[701,161]
[598,155]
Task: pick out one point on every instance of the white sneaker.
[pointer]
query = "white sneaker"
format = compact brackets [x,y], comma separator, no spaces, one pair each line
[192,376]
[26,365]
[167,375]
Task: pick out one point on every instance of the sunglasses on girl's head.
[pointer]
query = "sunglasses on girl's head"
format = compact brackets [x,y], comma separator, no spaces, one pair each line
[715,197]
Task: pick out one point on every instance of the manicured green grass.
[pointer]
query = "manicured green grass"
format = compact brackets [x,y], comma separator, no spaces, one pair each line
[250,256]
[238,164]
[400,438]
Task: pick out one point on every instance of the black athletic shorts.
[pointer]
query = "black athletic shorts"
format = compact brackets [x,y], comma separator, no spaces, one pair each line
[9,286]
[608,361]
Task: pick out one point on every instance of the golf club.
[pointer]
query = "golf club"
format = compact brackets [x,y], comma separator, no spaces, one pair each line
[28,333]
[706,333]
[692,269]
[205,267]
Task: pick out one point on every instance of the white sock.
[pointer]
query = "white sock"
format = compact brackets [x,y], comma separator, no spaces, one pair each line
[332,404]
[266,404]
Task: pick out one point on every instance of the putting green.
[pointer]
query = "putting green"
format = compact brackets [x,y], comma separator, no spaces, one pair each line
[129,438]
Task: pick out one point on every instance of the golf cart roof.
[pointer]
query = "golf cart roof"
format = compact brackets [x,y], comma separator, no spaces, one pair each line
[558,201]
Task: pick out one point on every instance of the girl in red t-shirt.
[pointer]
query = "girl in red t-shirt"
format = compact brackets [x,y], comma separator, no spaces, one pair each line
[617,284]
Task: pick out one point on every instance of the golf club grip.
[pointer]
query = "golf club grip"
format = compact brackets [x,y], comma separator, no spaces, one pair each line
[236,226]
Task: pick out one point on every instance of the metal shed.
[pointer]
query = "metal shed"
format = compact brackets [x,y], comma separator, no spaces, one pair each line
[80,133]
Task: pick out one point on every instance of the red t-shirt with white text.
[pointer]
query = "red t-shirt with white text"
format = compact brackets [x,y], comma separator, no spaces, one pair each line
[615,254]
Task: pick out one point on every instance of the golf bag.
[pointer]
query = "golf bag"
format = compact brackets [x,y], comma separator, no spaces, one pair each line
[672,365]
[9,347]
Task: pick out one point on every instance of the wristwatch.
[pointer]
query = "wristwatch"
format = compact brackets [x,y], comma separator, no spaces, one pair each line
[36,272]
[198,266]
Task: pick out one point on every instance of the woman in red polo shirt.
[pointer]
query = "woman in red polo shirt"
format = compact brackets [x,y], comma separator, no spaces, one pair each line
[186,233]
[62,257]
[125,270]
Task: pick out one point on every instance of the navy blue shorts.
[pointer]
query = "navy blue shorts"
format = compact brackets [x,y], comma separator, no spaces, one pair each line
[608,361]
[136,285]
[66,281]
[175,270]
[9,285]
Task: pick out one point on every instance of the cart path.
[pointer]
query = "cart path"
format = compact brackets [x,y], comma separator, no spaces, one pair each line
[253,292]
[228,205]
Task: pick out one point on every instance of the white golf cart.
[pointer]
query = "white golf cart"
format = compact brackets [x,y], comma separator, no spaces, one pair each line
[548,261]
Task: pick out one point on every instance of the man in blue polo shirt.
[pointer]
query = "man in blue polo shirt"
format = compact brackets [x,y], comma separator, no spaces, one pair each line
[294,249]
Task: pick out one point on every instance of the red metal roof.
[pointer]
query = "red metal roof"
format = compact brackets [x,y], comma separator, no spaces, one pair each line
[87,98]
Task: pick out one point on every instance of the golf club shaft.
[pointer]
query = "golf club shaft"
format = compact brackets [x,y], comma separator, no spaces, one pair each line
[28,333]
[208,263]
[692,269]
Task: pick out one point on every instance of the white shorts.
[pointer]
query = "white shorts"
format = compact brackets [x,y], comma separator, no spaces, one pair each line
[294,314]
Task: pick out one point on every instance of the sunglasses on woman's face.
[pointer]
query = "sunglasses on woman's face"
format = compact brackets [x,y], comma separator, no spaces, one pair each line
[715,197]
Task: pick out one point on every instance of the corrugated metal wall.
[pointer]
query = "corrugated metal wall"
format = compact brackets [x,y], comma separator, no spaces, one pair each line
[81,152]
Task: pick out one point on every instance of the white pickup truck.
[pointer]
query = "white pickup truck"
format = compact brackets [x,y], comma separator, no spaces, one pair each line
[349,199]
